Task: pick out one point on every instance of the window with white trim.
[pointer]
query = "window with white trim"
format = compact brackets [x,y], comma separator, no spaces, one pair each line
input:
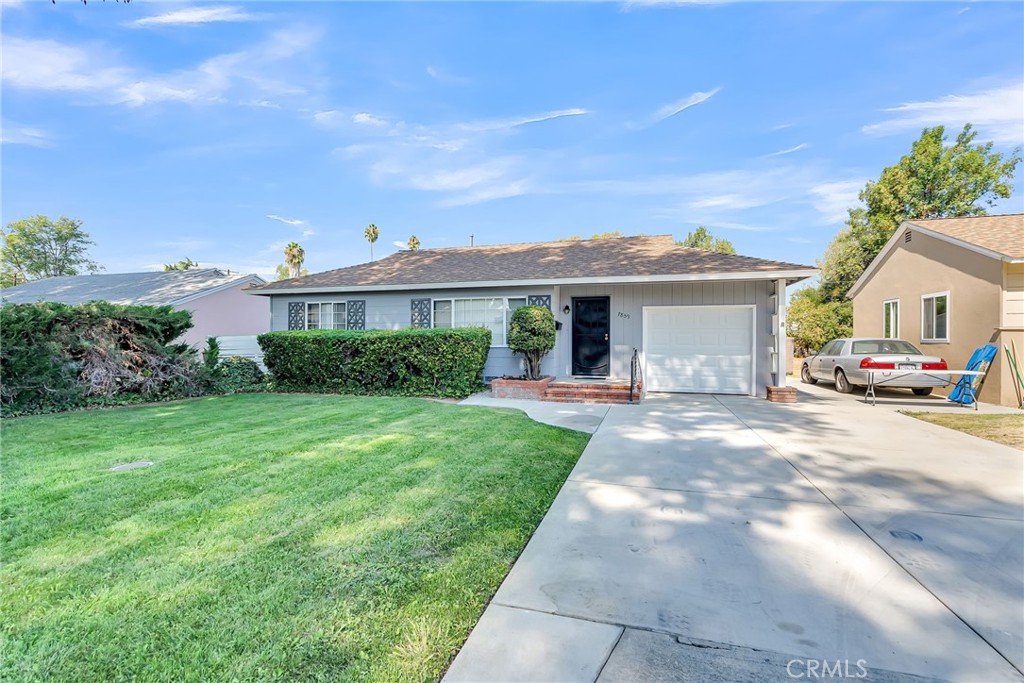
[494,313]
[891,318]
[935,317]
[326,315]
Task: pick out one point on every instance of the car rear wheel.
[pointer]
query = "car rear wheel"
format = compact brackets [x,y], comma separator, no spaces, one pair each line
[923,391]
[843,385]
[805,375]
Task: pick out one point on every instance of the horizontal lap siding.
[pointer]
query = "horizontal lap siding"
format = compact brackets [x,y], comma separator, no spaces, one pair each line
[392,311]
[629,300]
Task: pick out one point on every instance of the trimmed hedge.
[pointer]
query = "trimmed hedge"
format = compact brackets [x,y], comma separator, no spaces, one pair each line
[56,357]
[411,362]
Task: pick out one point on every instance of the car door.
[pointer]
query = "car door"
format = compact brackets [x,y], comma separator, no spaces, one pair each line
[826,360]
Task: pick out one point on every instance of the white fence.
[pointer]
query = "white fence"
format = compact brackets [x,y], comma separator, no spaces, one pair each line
[244,346]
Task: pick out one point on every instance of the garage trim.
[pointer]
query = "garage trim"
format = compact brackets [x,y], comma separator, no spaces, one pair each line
[753,336]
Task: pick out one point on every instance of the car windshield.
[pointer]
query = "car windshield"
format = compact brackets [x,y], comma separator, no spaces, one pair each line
[868,346]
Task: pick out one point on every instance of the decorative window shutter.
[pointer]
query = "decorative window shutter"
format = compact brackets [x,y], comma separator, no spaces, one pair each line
[539,300]
[420,313]
[356,314]
[296,315]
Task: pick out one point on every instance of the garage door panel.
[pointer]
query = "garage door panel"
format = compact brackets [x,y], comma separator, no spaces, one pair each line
[701,349]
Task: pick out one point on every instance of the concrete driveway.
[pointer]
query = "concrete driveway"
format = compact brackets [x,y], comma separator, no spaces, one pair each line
[728,538]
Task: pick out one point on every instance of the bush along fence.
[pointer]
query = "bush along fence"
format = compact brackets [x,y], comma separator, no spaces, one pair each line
[56,357]
[410,362]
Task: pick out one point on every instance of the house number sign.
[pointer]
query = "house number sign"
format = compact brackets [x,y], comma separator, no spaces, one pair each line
[624,315]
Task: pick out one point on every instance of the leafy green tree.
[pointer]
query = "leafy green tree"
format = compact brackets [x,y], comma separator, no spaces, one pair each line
[935,180]
[281,272]
[37,247]
[186,264]
[414,243]
[371,234]
[294,255]
[531,332]
[702,238]
[812,322]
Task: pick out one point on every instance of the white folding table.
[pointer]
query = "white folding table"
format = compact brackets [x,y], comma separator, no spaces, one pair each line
[937,374]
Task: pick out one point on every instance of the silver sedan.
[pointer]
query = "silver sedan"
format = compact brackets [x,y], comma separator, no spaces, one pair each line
[848,361]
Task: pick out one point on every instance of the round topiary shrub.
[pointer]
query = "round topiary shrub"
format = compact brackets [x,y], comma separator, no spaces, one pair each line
[531,332]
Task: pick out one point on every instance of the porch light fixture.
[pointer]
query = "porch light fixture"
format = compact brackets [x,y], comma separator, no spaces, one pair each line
[566,309]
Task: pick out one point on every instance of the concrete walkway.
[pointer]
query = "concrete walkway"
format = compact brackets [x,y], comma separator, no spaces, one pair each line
[728,538]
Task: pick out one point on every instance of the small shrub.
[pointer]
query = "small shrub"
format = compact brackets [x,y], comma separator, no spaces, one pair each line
[211,355]
[532,333]
[411,362]
[237,374]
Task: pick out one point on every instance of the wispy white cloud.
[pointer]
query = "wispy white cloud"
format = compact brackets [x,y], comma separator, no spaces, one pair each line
[365,119]
[400,244]
[308,233]
[833,199]
[730,201]
[94,70]
[196,15]
[997,114]
[489,125]
[286,221]
[461,161]
[15,134]
[799,240]
[673,108]
[783,152]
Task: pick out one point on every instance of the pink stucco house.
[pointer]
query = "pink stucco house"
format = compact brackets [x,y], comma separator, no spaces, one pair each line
[215,298]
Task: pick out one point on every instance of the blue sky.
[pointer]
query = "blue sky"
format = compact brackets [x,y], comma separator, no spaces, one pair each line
[220,132]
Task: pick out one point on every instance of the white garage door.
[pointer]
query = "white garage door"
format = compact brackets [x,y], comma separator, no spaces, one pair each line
[701,349]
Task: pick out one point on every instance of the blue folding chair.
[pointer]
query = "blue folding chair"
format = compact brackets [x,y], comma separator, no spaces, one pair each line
[966,391]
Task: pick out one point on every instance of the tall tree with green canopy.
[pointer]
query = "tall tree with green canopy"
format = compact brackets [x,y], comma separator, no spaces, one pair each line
[702,238]
[935,180]
[37,247]
[371,234]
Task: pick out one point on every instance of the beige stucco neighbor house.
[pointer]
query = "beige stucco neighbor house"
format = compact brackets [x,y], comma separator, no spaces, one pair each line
[215,298]
[950,285]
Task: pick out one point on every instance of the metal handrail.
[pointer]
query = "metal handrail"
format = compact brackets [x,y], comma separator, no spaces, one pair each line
[636,378]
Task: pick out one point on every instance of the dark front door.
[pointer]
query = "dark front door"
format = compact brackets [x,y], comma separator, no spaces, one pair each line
[591,322]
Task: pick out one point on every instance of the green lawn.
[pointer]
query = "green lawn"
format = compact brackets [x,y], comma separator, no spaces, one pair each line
[277,537]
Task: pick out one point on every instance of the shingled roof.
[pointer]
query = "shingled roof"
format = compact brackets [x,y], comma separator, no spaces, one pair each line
[1000,234]
[621,259]
[155,288]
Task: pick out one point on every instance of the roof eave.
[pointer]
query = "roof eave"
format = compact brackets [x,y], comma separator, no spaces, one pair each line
[792,275]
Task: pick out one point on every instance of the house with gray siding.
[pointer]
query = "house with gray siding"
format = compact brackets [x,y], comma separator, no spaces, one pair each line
[699,321]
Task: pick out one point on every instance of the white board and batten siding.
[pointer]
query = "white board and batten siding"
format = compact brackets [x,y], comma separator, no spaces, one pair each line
[699,349]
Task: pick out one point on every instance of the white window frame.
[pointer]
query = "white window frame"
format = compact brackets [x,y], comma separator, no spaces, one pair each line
[505,311]
[933,296]
[896,322]
[305,317]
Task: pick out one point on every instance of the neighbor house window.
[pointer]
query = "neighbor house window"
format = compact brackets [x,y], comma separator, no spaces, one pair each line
[493,313]
[891,318]
[326,316]
[935,317]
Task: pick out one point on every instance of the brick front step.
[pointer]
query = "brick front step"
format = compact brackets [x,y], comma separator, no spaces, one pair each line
[589,393]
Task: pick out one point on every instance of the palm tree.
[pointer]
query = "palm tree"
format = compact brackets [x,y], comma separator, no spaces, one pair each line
[414,242]
[371,233]
[294,255]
